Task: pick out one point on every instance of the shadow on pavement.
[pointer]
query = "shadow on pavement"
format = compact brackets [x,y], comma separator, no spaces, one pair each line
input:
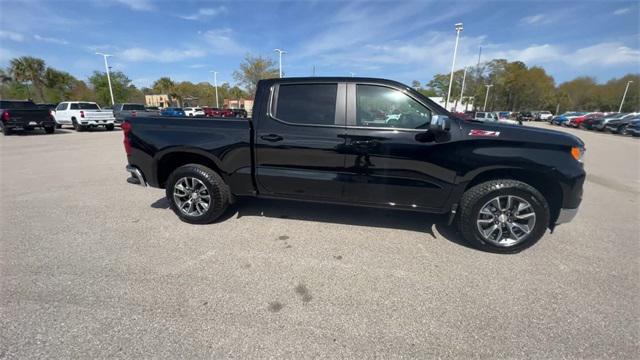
[340,214]
[37,132]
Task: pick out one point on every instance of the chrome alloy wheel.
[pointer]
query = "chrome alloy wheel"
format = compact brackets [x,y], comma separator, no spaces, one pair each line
[191,196]
[506,220]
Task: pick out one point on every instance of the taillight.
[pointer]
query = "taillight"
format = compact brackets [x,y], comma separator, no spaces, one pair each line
[81,113]
[126,129]
[6,116]
[133,113]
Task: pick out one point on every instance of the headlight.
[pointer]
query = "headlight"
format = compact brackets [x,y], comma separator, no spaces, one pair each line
[578,153]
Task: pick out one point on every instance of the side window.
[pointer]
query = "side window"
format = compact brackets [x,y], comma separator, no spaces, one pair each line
[75,106]
[379,106]
[61,106]
[307,103]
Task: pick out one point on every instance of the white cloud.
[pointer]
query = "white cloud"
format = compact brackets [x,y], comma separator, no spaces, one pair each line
[204,12]
[142,5]
[621,11]
[138,54]
[50,40]
[535,19]
[606,54]
[221,42]
[10,35]
[196,66]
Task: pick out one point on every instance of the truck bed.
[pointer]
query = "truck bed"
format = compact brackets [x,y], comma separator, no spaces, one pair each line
[227,140]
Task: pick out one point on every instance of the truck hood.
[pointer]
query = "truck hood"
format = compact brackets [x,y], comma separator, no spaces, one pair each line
[519,133]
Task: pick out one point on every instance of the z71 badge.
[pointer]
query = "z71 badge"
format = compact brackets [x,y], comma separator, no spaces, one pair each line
[483,133]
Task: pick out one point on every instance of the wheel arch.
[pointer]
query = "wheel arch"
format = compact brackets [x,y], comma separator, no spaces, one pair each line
[167,162]
[545,183]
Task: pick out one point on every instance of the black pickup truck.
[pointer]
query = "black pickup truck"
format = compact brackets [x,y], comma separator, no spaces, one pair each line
[367,142]
[26,115]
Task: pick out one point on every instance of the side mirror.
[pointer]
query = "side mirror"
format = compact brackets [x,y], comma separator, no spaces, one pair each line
[440,124]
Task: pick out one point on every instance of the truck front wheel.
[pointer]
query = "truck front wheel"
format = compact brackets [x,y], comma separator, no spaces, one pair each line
[197,194]
[503,216]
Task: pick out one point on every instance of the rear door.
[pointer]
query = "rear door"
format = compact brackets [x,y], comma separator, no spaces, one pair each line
[300,141]
[391,157]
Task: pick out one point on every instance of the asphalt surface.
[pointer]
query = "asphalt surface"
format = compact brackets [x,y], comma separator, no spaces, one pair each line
[93,267]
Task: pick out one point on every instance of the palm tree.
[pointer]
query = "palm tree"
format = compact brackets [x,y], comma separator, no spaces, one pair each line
[165,85]
[29,69]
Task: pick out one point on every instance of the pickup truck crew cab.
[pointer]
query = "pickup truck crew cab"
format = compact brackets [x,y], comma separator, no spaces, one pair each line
[26,115]
[122,111]
[83,114]
[368,142]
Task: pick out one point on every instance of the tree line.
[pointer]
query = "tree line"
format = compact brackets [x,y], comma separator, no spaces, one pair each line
[515,87]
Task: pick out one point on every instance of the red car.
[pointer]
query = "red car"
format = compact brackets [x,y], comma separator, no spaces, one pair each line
[575,122]
[215,112]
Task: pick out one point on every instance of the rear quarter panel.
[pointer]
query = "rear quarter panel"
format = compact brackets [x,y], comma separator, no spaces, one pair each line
[226,142]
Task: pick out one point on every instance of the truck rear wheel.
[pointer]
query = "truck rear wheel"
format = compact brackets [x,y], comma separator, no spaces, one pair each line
[77,126]
[49,129]
[503,216]
[197,194]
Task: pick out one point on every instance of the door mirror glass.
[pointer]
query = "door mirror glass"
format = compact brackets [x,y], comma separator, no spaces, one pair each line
[440,123]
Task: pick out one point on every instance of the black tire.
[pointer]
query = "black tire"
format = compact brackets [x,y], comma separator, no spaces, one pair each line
[216,187]
[77,127]
[110,127]
[49,129]
[476,197]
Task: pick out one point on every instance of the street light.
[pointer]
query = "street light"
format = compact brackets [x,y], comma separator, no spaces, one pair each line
[280,52]
[215,84]
[625,95]
[464,77]
[486,97]
[106,66]
[453,64]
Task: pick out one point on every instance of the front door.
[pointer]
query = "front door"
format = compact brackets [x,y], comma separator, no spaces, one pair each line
[392,159]
[300,141]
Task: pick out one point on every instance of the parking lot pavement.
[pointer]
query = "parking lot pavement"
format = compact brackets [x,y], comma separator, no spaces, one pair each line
[93,267]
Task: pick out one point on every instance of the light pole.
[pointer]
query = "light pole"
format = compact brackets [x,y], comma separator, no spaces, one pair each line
[280,52]
[453,64]
[625,95]
[486,97]
[106,66]
[464,77]
[215,84]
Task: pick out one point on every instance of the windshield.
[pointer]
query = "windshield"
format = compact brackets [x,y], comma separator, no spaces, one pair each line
[137,107]
[85,106]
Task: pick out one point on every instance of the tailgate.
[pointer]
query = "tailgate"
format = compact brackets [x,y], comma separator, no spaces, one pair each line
[98,115]
[26,116]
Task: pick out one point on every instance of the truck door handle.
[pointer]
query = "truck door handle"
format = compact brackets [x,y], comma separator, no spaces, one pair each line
[271,137]
[364,142]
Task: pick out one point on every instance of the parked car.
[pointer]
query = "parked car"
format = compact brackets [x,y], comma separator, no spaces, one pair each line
[600,124]
[240,113]
[525,116]
[26,115]
[83,115]
[304,144]
[564,118]
[216,112]
[633,128]
[153,109]
[577,121]
[122,111]
[543,116]
[619,126]
[172,111]
[492,116]
[194,111]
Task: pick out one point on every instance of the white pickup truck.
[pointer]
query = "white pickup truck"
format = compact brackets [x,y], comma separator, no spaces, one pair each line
[82,115]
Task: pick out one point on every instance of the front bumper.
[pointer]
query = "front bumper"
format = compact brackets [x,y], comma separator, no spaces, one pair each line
[566,215]
[137,178]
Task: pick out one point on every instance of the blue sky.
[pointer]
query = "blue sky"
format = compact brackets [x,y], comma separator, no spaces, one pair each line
[401,40]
